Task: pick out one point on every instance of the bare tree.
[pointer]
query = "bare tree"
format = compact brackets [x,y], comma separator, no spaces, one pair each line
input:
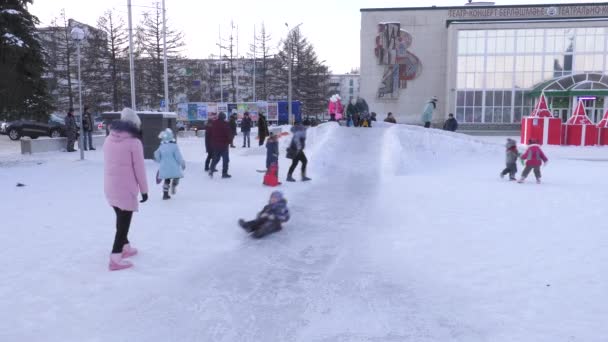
[265,65]
[150,46]
[116,39]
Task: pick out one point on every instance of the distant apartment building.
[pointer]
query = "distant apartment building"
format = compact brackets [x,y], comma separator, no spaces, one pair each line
[346,85]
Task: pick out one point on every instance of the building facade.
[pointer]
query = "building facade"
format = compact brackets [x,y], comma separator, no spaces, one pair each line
[345,85]
[486,64]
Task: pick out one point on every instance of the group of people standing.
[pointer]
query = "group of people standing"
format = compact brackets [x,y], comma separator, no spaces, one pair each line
[72,130]
[125,173]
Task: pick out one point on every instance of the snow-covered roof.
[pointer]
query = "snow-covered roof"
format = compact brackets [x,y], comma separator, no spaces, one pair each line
[580,116]
[541,110]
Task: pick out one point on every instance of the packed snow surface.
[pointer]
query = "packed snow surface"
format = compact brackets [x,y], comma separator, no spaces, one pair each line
[404,234]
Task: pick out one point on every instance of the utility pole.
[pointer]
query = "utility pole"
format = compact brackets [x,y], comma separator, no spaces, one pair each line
[131,62]
[254,99]
[166,109]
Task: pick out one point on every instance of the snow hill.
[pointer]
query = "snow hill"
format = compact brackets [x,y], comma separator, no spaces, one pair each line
[404,234]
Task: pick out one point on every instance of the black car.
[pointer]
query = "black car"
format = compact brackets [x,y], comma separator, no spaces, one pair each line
[54,128]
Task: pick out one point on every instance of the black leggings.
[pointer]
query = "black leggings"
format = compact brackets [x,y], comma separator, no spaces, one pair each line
[299,157]
[123,222]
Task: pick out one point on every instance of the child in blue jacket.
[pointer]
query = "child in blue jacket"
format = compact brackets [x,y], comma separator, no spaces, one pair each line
[171,162]
[271,217]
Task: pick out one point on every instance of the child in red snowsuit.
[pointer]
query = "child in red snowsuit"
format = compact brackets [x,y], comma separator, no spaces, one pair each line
[534,158]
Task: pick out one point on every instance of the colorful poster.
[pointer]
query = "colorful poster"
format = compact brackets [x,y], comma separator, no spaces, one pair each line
[182,111]
[241,109]
[232,108]
[222,107]
[192,111]
[202,111]
[262,107]
[272,111]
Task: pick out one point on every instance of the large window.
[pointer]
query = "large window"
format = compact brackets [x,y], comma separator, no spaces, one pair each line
[496,68]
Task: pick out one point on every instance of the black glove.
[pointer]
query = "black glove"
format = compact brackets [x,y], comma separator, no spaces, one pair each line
[144,197]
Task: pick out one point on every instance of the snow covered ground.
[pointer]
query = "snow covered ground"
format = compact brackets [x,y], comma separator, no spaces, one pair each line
[404,234]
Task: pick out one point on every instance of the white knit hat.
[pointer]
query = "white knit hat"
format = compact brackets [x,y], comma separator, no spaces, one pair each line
[128,114]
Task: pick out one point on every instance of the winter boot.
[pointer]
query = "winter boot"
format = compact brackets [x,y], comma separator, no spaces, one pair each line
[173,188]
[512,178]
[304,178]
[166,195]
[117,263]
[537,180]
[244,224]
[290,178]
[128,251]
[226,175]
[521,180]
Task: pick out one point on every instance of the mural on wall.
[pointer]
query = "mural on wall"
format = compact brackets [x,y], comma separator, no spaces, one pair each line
[391,50]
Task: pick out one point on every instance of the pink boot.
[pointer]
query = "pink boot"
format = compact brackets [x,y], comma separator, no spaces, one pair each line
[128,251]
[116,262]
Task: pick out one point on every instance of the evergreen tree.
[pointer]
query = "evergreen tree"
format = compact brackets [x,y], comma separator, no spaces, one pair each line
[150,46]
[309,77]
[23,92]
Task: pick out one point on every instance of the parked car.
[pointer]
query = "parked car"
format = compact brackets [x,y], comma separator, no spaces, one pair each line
[197,125]
[54,128]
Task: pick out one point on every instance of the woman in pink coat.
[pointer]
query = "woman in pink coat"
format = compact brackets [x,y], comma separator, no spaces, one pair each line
[124,179]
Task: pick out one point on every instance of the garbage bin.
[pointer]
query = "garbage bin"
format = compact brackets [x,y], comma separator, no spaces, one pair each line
[151,124]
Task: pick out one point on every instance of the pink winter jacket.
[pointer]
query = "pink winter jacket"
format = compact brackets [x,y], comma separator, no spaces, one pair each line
[124,170]
[534,156]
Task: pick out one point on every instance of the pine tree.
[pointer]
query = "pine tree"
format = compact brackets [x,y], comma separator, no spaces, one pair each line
[116,38]
[150,45]
[23,92]
[310,78]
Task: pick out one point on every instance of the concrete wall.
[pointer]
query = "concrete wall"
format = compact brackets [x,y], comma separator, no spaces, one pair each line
[44,144]
[430,39]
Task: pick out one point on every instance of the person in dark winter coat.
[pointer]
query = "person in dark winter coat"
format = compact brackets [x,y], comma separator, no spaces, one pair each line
[233,129]
[71,130]
[533,158]
[220,136]
[272,150]
[262,128]
[295,151]
[87,127]
[208,143]
[511,159]
[270,219]
[246,124]
[390,118]
[450,124]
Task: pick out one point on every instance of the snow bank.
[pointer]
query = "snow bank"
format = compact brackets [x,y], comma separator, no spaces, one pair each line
[409,149]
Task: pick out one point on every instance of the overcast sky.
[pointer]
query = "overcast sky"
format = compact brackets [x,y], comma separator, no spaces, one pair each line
[332,26]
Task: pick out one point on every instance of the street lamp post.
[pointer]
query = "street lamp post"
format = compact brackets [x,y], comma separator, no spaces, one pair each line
[289,87]
[78,35]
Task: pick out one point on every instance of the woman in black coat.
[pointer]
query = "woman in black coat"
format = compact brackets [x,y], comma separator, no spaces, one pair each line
[262,129]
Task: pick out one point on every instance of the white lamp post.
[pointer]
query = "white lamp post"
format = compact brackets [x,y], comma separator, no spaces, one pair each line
[78,35]
[289,100]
